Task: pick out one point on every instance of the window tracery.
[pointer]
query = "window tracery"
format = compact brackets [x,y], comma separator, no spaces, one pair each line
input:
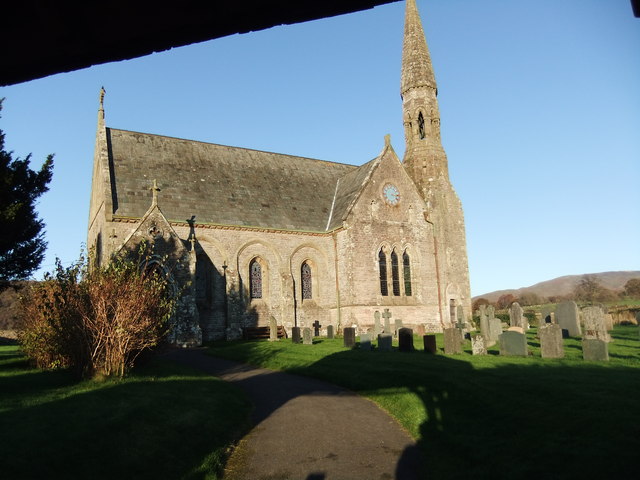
[382,263]
[255,279]
[305,274]
[395,273]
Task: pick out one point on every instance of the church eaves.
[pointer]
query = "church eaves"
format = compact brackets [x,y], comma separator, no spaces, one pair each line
[225,185]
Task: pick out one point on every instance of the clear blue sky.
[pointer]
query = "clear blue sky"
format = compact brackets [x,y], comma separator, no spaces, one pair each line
[539,101]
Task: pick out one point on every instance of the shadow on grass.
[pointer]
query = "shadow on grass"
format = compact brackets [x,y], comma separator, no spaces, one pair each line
[481,417]
[157,424]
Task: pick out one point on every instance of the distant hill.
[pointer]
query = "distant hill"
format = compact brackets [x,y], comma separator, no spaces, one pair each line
[565,285]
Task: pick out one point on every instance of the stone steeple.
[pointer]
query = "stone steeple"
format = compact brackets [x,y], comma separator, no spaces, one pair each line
[426,163]
[416,61]
[425,159]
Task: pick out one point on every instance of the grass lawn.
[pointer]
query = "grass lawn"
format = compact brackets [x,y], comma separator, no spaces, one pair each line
[162,421]
[489,416]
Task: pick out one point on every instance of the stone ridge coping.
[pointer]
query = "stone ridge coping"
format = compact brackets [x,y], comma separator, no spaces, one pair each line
[219,226]
[236,148]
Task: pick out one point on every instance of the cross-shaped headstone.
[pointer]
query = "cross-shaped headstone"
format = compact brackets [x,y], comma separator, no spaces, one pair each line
[387,322]
[316,328]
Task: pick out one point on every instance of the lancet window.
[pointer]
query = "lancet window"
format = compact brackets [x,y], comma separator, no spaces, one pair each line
[395,273]
[255,279]
[421,130]
[305,274]
[406,273]
[382,262]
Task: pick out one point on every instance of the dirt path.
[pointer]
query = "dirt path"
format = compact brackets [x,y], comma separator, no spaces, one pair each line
[309,430]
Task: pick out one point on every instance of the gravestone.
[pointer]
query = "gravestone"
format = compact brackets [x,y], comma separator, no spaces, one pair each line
[484,322]
[377,328]
[594,324]
[478,346]
[545,316]
[515,329]
[365,341]
[385,341]
[420,331]
[430,344]
[307,339]
[452,341]
[273,329]
[516,317]
[405,340]
[316,328]
[295,334]
[349,337]
[495,326]
[330,333]
[595,350]
[387,320]
[398,323]
[551,345]
[568,319]
[608,321]
[513,343]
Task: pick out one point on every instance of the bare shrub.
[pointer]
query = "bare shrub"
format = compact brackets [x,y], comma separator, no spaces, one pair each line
[96,320]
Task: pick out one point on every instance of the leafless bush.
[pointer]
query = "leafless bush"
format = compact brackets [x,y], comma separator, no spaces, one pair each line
[95,320]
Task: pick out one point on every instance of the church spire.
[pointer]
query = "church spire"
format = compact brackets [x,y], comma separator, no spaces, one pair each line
[424,157]
[416,61]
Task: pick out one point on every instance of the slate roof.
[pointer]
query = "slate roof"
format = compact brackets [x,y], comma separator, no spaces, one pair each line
[229,185]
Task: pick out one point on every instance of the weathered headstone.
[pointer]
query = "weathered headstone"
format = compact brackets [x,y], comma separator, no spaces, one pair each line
[515,329]
[545,316]
[365,341]
[273,329]
[595,350]
[551,345]
[484,322]
[495,326]
[608,321]
[513,343]
[568,319]
[295,334]
[594,324]
[452,341]
[478,346]
[387,320]
[430,343]
[330,333]
[399,325]
[316,328]
[377,328]
[349,337]
[405,340]
[384,342]
[307,339]
[495,330]
[516,317]
[420,330]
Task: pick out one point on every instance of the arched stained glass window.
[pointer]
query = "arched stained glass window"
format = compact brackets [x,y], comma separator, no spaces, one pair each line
[406,273]
[305,273]
[395,273]
[255,279]
[382,262]
[421,130]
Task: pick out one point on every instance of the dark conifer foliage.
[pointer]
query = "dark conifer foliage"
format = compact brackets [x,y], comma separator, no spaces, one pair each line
[22,243]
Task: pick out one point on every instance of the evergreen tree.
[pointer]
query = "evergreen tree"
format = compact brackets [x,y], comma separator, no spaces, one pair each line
[22,243]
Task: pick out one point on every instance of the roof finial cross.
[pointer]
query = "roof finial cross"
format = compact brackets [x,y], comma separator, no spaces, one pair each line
[154,191]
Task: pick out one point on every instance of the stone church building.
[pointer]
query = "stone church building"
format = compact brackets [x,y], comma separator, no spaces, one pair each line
[247,235]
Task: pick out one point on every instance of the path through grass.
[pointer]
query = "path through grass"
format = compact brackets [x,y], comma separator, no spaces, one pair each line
[162,421]
[489,416]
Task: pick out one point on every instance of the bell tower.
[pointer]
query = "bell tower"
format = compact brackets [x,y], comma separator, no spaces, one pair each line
[426,163]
